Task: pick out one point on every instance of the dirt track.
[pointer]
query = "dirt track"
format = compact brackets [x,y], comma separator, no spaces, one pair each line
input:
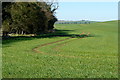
[36,49]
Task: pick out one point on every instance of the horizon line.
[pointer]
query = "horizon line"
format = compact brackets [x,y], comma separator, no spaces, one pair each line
[85,20]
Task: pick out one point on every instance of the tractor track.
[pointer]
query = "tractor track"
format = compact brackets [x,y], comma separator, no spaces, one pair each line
[36,49]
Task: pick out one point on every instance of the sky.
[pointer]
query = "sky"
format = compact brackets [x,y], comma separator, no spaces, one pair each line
[86,0]
[94,11]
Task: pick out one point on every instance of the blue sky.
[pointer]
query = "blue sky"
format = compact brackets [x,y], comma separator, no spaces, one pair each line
[95,11]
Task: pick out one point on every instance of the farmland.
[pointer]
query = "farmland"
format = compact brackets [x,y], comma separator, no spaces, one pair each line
[94,56]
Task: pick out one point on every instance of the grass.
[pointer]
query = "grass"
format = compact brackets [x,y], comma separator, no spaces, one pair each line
[89,57]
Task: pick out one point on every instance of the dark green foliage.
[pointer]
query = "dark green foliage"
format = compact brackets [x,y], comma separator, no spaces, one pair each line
[51,22]
[27,18]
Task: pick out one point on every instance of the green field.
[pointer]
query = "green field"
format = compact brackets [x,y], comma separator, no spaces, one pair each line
[95,56]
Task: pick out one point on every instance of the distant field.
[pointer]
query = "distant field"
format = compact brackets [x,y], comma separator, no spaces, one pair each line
[64,56]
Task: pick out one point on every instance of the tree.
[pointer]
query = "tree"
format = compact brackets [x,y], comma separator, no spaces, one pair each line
[6,18]
[28,17]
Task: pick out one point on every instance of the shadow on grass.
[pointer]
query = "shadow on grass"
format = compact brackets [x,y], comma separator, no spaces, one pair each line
[57,33]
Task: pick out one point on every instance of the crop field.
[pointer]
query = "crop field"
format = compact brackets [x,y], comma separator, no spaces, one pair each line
[67,53]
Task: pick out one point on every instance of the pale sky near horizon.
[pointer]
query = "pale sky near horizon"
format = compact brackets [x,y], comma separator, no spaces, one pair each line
[87,0]
[95,11]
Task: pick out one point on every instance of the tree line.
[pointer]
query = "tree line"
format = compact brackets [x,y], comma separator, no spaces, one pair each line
[28,17]
[75,22]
